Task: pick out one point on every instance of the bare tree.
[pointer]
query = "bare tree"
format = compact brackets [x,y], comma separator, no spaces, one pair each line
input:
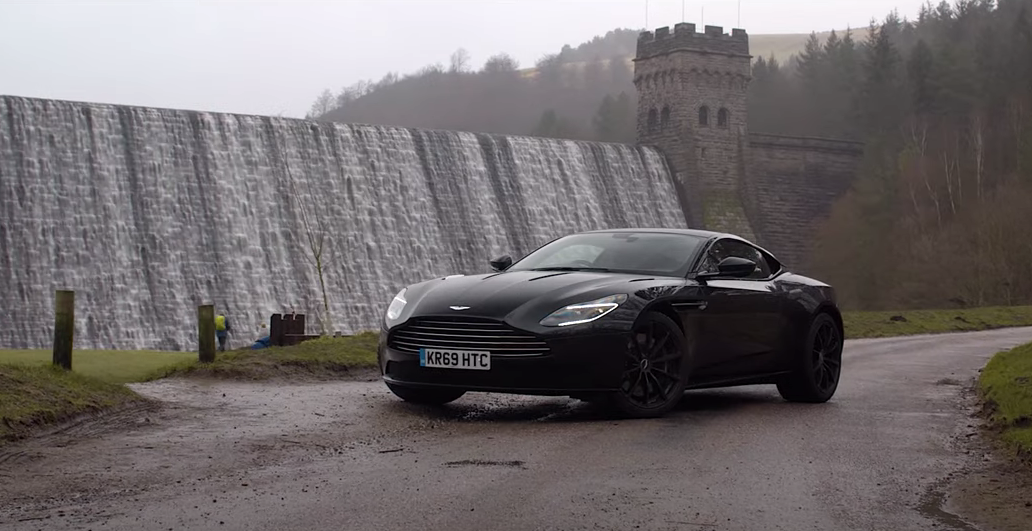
[915,149]
[1016,113]
[978,143]
[323,104]
[459,61]
[316,229]
[354,91]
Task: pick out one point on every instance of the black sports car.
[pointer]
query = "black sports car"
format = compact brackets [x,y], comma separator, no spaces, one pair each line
[627,317]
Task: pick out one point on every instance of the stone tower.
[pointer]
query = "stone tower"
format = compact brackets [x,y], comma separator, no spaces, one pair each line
[692,106]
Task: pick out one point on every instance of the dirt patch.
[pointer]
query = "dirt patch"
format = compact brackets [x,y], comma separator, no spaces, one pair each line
[994,490]
[995,495]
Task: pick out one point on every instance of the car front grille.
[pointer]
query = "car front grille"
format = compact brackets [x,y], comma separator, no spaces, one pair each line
[498,338]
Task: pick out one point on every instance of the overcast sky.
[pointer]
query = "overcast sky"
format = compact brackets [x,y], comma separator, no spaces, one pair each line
[272,57]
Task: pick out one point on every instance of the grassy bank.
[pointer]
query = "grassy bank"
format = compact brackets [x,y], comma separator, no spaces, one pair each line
[911,322]
[1006,386]
[31,396]
[323,357]
[111,366]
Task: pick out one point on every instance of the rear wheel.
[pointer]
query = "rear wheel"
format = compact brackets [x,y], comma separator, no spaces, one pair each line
[816,373]
[654,370]
[434,397]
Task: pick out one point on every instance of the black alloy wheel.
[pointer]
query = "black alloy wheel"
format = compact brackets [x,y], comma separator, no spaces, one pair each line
[654,371]
[816,375]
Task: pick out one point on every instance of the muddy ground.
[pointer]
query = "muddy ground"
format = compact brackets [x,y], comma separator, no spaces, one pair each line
[898,448]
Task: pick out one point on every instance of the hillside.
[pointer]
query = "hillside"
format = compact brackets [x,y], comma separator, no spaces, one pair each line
[784,45]
[781,46]
[561,95]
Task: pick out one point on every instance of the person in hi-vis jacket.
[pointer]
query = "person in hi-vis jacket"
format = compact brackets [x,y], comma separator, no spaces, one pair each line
[221,330]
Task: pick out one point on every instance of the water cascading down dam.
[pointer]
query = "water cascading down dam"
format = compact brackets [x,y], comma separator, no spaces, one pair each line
[147,213]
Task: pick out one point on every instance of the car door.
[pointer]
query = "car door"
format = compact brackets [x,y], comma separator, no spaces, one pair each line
[741,322]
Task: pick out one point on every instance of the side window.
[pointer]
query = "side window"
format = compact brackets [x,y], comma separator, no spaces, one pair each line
[726,248]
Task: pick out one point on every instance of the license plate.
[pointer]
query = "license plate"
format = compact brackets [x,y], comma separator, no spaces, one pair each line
[455,359]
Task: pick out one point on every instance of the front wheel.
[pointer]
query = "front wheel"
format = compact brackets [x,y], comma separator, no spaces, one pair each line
[815,375]
[432,397]
[654,371]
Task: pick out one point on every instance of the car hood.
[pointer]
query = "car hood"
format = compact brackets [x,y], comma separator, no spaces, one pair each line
[500,295]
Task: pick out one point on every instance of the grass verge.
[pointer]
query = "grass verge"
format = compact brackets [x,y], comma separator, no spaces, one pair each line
[318,358]
[1006,387]
[111,366]
[912,322]
[31,396]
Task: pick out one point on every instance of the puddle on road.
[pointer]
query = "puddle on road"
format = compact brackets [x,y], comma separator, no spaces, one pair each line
[932,502]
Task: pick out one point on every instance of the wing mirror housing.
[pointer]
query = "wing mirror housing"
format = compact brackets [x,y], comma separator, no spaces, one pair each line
[730,267]
[502,263]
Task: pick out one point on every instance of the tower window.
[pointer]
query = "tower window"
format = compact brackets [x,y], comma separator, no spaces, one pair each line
[703,115]
[664,117]
[723,117]
[652,120]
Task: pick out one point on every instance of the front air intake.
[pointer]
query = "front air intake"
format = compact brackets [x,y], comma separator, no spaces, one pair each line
[463,333]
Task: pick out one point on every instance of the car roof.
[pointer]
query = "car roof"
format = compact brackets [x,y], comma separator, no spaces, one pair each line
[708,234]
[689,232]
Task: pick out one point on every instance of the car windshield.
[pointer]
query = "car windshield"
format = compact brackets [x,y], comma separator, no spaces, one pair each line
[650,253]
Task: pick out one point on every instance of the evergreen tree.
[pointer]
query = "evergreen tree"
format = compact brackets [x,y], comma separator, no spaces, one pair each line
[551,125]
[614,120]
[919,70]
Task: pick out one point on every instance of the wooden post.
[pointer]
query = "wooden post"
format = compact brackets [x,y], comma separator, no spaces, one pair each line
[64,327]
[206,333]
[276,330]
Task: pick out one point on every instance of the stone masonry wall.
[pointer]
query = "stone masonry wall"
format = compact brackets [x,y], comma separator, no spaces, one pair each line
[678,74]
[791,185]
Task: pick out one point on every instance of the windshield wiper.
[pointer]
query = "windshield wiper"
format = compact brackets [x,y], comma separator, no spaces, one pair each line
[598,269]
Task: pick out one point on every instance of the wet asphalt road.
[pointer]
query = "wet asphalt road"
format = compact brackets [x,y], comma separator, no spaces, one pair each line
[348,455]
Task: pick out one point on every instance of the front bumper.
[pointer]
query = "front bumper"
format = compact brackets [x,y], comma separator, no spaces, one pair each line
[575,364]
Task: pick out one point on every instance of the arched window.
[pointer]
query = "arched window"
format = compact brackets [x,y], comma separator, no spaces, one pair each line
[664,117]
[723,117]
[652,120]
[703,115]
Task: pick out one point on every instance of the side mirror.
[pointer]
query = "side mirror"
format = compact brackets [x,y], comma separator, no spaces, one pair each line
[731,267]
[501,264]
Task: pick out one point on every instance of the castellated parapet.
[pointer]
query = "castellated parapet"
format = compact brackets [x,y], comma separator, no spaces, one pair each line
[684,37]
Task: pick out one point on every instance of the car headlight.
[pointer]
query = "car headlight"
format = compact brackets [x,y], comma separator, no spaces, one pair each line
[585,312]
[397,305]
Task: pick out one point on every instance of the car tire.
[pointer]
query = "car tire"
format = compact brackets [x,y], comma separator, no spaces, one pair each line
[655,363]
[430,397]
[816,371]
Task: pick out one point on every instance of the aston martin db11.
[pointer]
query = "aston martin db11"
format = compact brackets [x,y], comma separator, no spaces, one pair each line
[630,318]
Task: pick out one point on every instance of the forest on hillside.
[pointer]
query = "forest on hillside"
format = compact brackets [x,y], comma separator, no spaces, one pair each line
[559,97]
[940,212]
